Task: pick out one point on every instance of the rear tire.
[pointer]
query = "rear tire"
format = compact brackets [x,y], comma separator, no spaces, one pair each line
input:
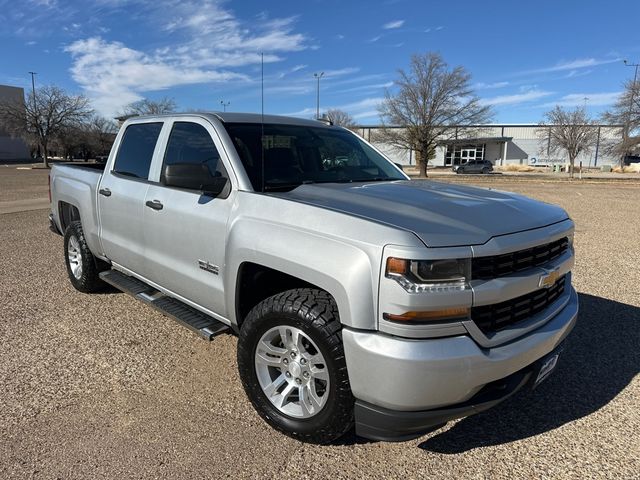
[485,171]
[82,267]
[292,365]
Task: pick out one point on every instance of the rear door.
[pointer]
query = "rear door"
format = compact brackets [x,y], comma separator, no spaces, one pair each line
[121,195]
[186,230]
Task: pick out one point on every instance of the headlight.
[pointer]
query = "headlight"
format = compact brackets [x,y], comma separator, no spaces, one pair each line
[417,276]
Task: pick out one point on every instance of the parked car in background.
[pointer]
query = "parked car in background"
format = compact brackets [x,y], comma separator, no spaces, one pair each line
[474,166]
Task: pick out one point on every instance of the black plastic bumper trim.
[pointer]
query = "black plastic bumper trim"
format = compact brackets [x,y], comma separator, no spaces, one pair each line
[378,423]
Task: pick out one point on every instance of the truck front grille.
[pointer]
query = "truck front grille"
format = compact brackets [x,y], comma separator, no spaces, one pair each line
[487,268]
[493,318]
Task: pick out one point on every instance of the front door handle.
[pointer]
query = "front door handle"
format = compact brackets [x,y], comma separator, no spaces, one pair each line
[155,204]
[105,191]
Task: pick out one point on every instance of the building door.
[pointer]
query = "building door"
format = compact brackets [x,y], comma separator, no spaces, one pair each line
[467,155]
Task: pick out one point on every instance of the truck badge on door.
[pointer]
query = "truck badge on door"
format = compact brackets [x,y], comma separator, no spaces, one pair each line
[208,266]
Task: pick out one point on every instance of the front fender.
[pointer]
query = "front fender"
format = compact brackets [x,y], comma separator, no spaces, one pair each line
[347,272]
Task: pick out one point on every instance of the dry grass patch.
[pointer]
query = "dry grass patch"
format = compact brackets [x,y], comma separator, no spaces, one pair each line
[515,168]
[633,168]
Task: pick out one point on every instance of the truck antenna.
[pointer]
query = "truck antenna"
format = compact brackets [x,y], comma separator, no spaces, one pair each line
[262,117]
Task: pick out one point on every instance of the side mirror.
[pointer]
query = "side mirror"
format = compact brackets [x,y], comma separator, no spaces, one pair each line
[193,176]
[399,165]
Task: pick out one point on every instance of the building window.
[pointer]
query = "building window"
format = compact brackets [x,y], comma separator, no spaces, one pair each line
[457,154]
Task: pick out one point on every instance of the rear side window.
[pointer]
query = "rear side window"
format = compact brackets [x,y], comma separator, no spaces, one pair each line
[191,143]
[136,149]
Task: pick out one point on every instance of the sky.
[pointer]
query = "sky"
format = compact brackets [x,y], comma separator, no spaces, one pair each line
[524,57]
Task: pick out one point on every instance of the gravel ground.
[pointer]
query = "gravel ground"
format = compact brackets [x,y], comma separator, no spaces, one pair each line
[101,386]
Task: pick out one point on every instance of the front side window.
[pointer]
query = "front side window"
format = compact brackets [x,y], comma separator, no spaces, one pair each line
[191,143]
[294,155]
[136,150]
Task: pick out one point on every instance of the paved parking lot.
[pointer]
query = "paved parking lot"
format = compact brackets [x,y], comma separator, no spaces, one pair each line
[101,386]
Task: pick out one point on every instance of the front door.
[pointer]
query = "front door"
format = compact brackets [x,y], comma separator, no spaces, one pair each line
[185,231]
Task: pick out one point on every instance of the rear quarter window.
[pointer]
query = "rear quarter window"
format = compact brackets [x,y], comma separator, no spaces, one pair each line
[136,150]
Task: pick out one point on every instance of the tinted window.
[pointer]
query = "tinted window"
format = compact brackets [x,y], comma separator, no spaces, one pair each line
[191,143]
[136,149]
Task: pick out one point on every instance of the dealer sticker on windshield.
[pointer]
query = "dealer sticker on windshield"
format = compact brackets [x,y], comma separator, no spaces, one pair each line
[547,367]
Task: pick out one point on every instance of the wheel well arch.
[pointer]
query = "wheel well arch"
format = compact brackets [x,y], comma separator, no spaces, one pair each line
[67,213]
[257,282]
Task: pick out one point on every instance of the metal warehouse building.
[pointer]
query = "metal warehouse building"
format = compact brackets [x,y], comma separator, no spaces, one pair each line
[12,148]
[524,144]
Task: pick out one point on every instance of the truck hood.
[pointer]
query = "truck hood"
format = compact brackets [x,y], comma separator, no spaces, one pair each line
[440,214]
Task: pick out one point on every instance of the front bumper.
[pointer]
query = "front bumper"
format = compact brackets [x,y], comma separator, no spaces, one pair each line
[418,384]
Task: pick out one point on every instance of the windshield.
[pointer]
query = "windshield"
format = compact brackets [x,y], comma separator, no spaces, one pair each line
[294,155]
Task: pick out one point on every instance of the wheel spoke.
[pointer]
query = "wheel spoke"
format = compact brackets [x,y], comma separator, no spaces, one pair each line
[305,404]
[320,374]
[316,401]
[270,389]
[268,347]
[267,360]
[284,336]
[282,399]
[296,340]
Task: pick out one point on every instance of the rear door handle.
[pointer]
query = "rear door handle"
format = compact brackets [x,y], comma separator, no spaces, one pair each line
[105,191]
[155,204]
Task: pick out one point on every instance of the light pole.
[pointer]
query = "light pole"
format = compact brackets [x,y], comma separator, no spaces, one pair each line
[33,89]
[318,77]
[224,105]
[633,91]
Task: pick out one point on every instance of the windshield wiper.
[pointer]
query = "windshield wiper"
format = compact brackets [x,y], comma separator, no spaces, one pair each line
[372,179]
[285,186]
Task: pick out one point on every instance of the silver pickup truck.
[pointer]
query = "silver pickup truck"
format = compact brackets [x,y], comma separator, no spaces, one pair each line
[359,297]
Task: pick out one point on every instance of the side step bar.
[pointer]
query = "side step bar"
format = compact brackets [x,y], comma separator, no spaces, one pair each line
[202,324]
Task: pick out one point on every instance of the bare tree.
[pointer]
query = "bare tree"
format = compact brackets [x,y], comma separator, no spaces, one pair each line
[44,117]
[150,107]
[432,100]
[626,113]
[103,133]
[340,117]
[569,131]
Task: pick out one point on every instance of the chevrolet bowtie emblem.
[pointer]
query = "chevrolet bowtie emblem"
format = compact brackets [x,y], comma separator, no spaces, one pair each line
[548,279]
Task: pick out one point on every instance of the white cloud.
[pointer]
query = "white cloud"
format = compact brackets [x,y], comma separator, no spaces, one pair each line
[294,69]
[516,98]
[375,39]
[114,75]
[340,72]
[364,88]
[572,65]
[366,108]
[577,73]
[578,99]
[393,24]
[490,86]
[212,44]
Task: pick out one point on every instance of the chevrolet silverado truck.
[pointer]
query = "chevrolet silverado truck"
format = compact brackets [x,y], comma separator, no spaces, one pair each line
[359,297]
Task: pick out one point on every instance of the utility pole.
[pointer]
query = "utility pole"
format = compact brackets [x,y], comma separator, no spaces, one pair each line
[224,105]
[627,127]
[33,89]
[318,77]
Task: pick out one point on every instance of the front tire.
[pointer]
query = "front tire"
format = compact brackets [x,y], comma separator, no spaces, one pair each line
[292,365]
[82,267]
